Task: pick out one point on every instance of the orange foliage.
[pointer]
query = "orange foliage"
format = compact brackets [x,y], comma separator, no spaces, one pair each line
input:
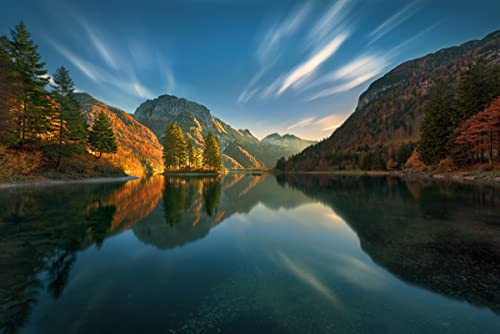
[479,136]
[139,152]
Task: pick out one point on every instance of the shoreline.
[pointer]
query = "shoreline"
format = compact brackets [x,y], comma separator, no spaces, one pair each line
[475,177]
[49,182]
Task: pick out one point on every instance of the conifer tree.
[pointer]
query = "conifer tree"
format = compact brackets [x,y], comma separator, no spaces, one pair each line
[174,148]
[212,158]
[191,153]
[437,127]
[101,136]
[478,86]
[31,78]
[71,127]
[8,99]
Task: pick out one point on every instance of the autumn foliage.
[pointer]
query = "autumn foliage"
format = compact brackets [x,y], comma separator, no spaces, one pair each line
[478,138]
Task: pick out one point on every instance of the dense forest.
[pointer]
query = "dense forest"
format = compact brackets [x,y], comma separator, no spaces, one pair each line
[43,131]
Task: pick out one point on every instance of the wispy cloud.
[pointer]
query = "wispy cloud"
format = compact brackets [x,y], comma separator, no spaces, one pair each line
[331,122]
[270,48]
[332,19]
[308,67]
[351,75]
[99,45]
[301,123]
[84,66]
[394,21]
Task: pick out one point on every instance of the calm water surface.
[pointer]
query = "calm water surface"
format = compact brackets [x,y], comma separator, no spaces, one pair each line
[251,254]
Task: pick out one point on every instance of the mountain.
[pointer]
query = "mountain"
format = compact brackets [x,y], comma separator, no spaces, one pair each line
[390,111]
[288,142]
[139,152]
[240,148]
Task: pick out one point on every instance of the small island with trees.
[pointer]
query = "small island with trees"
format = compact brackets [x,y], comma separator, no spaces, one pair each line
[181,156]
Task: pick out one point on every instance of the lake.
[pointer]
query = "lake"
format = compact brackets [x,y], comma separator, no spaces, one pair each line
[251,254]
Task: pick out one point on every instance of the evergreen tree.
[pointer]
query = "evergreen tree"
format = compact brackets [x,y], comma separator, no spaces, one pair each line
[478,86]
[31,78]
[8,99]
[71,127]
[191,153]
[212,158]
[101,136]
[174,148]
[404,152]
[437,127]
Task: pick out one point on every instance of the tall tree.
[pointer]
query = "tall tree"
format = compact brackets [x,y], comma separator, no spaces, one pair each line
[71,127]
[212,158]
[34,118]
[174,147]
[8,99]
[477,88]
[437,128]
[479,136]
[191,152]
[101,136]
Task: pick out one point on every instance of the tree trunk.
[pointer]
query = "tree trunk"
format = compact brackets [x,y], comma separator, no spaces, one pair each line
[23,121]
[59,160]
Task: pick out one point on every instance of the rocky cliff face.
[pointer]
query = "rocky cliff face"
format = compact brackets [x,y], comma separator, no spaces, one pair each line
[240,148]
[139,152]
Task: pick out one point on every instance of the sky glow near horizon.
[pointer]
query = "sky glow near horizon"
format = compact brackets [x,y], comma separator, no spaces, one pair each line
[283,66]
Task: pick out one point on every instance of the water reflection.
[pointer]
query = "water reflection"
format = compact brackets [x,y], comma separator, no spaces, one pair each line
[444,238]
[43,229]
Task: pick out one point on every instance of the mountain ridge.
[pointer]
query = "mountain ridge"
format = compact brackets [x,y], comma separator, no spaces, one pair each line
[239,147]
[390,110]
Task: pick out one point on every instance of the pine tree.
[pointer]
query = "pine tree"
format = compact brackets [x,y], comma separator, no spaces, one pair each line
[437,127]
[31,78]
[478,86]
[71,129]
[175,153]
[212,158]
[191,152]
[101,136]
[8,99]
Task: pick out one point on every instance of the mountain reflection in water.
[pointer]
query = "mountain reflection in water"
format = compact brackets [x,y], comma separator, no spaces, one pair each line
[441,237]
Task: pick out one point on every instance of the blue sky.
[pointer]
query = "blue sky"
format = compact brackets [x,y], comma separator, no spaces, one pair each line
[269,66]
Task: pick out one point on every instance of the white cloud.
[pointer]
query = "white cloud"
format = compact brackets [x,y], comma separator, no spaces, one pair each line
[100,47]
[394,21]
[331,19]
[85,67]
[331,122]
[270,48]
[302,123]
[308,67]
[345,86]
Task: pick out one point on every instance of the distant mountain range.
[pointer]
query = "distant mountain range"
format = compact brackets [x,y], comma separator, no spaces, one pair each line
[240,148]
[390,111]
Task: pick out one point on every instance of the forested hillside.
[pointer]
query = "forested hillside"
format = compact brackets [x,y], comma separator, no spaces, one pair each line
[387,122]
